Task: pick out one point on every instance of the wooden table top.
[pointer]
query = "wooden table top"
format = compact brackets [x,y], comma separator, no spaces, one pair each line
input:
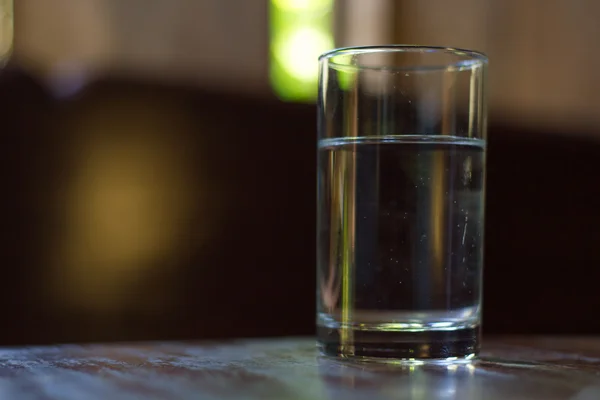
[290,369]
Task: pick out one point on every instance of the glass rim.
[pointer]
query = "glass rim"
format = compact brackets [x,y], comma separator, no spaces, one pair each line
[471,58]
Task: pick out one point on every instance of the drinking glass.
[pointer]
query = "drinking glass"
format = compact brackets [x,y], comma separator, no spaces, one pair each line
[401,179]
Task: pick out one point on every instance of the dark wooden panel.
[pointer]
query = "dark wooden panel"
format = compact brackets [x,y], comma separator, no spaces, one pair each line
[230,182]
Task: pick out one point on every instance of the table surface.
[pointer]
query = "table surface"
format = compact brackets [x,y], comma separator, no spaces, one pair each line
[290,368]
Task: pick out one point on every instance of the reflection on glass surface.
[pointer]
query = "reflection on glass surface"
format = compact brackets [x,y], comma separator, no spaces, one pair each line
[483,379]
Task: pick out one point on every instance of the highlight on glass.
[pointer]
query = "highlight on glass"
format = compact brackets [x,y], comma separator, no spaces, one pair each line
[401,180]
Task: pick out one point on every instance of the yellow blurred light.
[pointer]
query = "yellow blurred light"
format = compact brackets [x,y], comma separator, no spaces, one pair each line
[127,205]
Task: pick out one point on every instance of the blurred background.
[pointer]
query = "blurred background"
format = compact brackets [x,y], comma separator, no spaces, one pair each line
[159,161]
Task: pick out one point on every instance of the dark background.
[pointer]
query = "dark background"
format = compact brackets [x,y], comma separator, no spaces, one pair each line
[225,245]
[255,276]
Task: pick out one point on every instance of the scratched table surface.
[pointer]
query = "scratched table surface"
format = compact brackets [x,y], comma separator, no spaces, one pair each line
[289,369]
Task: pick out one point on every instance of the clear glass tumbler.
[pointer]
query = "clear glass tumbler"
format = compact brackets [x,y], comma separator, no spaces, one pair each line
[401,178]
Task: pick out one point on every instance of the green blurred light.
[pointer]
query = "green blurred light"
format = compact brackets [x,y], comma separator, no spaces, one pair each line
[300,31]
[295,51]
[302,4]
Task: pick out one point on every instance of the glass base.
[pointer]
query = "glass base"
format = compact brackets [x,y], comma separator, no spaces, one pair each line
[386,346]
